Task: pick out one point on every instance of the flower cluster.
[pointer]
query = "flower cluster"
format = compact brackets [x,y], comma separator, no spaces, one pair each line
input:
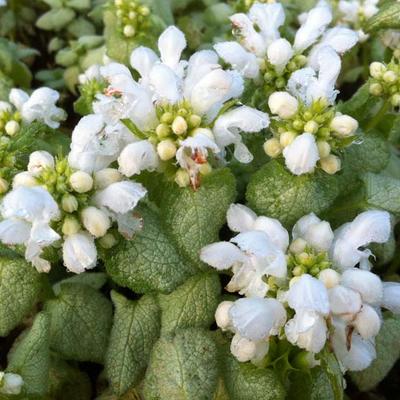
[307,129]
[261,54]
[316,292]
[355,13]
[385,81]
[132,17]
[178,118]
[51,201]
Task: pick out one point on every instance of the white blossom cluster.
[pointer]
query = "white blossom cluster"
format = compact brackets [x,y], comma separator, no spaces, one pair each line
[52,204]
[181,114]
[316,292]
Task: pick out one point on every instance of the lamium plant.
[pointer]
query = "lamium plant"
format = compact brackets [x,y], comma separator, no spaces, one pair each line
[199,200]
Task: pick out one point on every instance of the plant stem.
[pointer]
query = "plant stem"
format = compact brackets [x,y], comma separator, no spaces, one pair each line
[381,113]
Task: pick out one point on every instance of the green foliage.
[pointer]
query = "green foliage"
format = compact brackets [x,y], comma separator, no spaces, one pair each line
[388,17]
[20,285]
[150,261]
[192,304]
[135,330]
[30,357]
[273,191]
[81,320]
[194,218]
[388,352]
[183,367]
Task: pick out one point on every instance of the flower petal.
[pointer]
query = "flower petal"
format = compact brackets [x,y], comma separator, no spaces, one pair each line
[171,43]
[79,252]
[240,218]
[221,255]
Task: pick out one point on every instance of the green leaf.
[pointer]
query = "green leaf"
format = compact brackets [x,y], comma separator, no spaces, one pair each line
[135,330]
[387,18]
[55,19]
[150,261]
[96,280]
[183,367]
[20,286]
[194,218]
[388,352]
[67,382]
[30,357]
[191,305]
[382,192]
[81,320]
[244,381]
[275,192]
[78,4]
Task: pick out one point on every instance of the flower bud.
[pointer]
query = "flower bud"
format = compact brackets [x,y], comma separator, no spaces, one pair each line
[106,177]
[311,127]
[298,246]
[287,138]
[222,317]
[108,241]
[3,185]
[344,125]
[324,148]
[81,181]
[129,31]
[376,69]
[69,203]
[10,383]
[166,149]
[390,77]
[38,161]
[179,126]
[95,221]
[330,164]
[283,104]
[162,130]
[203,131]
[24,179]
[376,89]
[395,100]
[205,169]
[329,277]
[243,349]
[182,178]
[367,322]
[70,226]
[279,53]
[272,147]
[194,121]
[167,118]
[12,128]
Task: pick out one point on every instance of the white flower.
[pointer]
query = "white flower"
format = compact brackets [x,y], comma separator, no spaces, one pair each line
[27,213]
[95,221]
[79,252]
[24,178]
[344,301]
[18,98]
[106,177]
[329,277]
[38,161]
[279,54]
[318,234]
[10,383]
[391,296]
[344,125]
[369,227]
[367,322]
[307,330]
[248,350]
[81,181]
[222,317]
[137,157]
[308,294]
[242,119]
[283,104]
[302,154]
[257,318]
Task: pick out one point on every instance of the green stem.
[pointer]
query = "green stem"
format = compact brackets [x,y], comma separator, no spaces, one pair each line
[378,117]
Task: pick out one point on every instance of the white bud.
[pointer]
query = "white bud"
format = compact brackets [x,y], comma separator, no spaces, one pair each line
[272,147]
[390,77]
[330,164]
[3,185]
[367,322]
[377,69]
[38,161]
[106,177]
[298,246]
[10,383]
[329,277]
[24,179]
[222,317]
[81,181]
[179,126]
[70,226]
[324,148]
[129,31]
[203,131]
[311,127]
[243,349]
[283,104]
[95,221]
[344,126]
[12,128]
[166,149]
[279,53]
[69,203]
[287,138]
[182,178]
